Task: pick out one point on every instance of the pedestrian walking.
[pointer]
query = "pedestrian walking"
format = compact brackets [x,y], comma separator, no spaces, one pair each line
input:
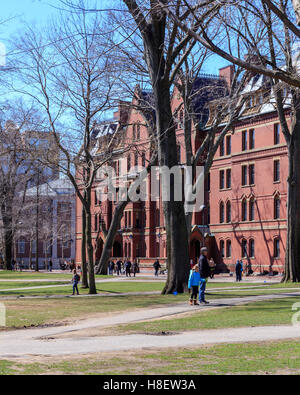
[238,270]
[50,265]
[156,266]
[75,280]
[119,267]
[204,271]
[128,268]
[111,267]
[193,285]
[135,267]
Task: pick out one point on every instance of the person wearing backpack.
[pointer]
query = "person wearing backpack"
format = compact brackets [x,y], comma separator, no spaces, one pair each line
[75,280]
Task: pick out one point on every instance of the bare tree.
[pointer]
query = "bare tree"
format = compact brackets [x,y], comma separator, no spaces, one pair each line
[261,37]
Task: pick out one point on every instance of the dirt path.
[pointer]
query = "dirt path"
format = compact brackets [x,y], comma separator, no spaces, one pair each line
[40,341]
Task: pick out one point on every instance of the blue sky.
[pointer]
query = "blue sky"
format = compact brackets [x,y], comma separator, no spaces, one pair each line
[29,11]
[38,11]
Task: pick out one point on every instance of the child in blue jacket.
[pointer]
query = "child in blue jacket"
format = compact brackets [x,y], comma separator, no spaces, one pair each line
[193,284]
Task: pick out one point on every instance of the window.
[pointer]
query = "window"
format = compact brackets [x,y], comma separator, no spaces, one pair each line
[276,133]
[222,248]
[244,210]
[244,140]
[244,175]
[136,159]
[96,198]
[126,217]
[276,248]
[222,179]
[252,139]
[138,131]
[251,175]
[143,159]
[276,170]
[228,178]
[21,246]
[181,119]
[208,182]
[244,248]
[276,207]
[33,246]
[222,148]
[221,212]
[134,132]
[251,210]
[228,248]
[128,163]
[251,248]
[250,102]
[178,153]
[228,145]
[96,222]
[228,212]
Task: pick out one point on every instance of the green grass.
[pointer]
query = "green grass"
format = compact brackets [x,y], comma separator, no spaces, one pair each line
[8,274]
[274,312]
[21,284]
[105,287]
[35,312]
[261,358]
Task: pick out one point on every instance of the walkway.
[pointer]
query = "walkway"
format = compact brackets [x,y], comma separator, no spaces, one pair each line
[26,342]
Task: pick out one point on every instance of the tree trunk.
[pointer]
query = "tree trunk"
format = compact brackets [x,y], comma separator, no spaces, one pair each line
[8,248]
[90,251]
[109,241]
[177,234]
[292,257]
[84,281]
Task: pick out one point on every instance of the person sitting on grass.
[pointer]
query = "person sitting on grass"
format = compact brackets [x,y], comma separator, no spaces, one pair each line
[193,284]
[75,280]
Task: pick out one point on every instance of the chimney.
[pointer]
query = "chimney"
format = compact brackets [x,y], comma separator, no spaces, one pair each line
[227,73]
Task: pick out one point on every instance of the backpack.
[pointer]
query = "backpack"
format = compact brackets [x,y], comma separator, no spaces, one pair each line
[77,277]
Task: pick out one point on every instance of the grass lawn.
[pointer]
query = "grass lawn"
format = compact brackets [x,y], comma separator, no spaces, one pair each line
[21,284]
[263,313]
[34,312]
[105,287]
[281,357]
[8,274]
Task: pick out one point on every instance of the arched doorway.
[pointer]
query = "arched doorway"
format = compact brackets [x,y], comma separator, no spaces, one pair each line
[99,250]
[195,248]
[117,249]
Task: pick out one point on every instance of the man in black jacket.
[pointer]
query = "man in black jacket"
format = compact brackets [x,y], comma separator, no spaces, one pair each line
[204,271]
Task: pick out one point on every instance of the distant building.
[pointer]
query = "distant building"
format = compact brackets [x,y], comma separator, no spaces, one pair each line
[56,225]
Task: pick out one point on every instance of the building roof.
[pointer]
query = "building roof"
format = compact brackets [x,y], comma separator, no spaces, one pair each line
[58,187]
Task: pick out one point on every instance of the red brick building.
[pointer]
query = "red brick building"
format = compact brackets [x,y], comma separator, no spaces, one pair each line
[246,197]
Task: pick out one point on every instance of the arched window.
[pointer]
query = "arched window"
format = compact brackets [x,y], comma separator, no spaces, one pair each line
[244,248]
[221,212]
[276,248]
[134,132]
[252,210]
[244,210]
[21,246]
[138,131]
[222,248]
[228,212]
[276,207]
[228,248]
[251,248]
